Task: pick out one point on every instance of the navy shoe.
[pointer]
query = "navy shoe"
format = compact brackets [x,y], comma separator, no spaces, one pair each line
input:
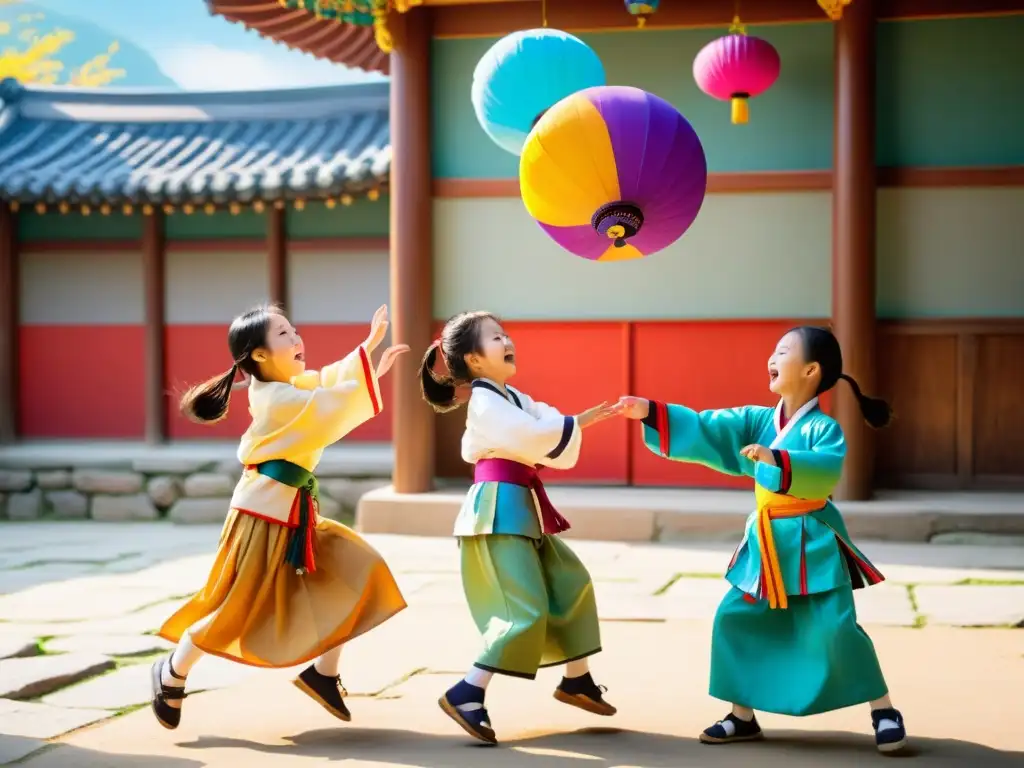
[464,703]
[582,692]
[891,739]
[325,690]
[732,729]
[169,717]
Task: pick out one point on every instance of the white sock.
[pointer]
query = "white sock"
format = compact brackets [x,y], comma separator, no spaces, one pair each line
[746,714]
[183,659]
[479,677]
[885,723]
[577,668]
[329,664]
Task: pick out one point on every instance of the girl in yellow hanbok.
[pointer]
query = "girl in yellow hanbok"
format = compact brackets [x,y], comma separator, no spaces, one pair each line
[287,586]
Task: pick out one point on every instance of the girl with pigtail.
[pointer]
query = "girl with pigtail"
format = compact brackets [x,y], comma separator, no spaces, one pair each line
[786,638]
[530,596]
[287,586]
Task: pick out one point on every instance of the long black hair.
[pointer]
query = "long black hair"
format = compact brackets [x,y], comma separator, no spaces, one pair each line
[460,337]
[822,347]
[207,403]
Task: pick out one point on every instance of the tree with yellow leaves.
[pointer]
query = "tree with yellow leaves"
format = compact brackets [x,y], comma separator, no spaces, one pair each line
[33,58]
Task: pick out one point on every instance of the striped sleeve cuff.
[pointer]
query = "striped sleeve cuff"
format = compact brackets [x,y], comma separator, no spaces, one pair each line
[657,419]
[782,461]
[568,426]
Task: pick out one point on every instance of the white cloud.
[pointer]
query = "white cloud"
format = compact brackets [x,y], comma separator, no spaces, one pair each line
[206,67]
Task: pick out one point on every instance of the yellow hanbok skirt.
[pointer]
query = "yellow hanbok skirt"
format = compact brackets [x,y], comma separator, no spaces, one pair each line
[256,610]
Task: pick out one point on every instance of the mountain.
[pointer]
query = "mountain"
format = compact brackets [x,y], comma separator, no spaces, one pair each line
[42,46]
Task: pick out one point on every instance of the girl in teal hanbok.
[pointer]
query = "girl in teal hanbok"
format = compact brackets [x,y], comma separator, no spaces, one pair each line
[786,638]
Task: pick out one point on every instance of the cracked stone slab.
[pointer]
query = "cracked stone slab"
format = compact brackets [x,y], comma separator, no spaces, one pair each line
[129,685]
[16,645]
[39,721]
[20,579]
[15,748]
[39,675]
[884,604]
[109,645]
[76,600]
[972,606]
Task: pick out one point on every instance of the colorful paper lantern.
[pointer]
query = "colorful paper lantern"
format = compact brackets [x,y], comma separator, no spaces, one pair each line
[524,74]
[613,173]
[735,68]
[642,10]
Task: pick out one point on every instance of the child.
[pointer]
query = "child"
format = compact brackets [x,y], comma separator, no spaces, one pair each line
[786,637]
[530,596]
[287,586]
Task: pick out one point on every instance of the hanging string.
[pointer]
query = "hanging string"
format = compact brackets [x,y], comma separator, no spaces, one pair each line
[544,13]
[738,27]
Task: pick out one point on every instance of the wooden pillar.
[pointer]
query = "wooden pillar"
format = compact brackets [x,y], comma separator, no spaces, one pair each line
[277,256]
[10,294]
[853,235]
[154,278]
[411,247]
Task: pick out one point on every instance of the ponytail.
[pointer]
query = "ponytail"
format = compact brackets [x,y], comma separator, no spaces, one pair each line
[876,412]
[207,403]
[439,392]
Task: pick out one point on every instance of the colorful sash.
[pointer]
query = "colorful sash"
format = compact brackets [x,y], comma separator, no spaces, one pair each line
[301,553]
[772,506]
[508,471]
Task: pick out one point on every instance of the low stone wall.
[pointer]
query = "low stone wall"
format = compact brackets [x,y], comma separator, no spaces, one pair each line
[182,490]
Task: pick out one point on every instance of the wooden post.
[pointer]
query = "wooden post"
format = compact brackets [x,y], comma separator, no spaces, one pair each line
[853,235]
[411,247]
[10,294]
[154,278]
[277,256]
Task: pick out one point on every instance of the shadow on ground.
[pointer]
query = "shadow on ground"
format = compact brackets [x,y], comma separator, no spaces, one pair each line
[70,756]
[785,749]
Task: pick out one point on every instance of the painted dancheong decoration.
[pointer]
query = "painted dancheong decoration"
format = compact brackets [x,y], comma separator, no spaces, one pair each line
[834,8]
[359,13]
[522,75]
[613,173]
[642,10]
[736,68]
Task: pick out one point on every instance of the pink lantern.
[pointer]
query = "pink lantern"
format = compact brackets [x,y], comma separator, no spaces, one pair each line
[736,67]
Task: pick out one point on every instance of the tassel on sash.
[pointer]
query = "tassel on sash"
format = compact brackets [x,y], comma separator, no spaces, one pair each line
[301,552]
[772,506]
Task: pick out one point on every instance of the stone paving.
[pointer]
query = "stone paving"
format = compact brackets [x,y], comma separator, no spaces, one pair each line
[79,603]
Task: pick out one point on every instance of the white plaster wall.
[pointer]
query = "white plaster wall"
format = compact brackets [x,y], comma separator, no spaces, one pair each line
[747,256]
[336,287]
[83,288]
[205,288]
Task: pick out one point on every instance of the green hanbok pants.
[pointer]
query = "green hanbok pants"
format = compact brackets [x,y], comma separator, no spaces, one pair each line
[809,658]
[532,600]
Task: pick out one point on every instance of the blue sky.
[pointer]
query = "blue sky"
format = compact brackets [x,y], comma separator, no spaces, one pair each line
[203,52]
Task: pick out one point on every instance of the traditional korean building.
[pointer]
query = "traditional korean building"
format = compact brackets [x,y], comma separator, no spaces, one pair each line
[134,226]
[879,186]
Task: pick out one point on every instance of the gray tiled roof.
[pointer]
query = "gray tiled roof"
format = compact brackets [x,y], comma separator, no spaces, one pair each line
[129,146]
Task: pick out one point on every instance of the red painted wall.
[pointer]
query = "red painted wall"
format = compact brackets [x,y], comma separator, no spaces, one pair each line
[196,352]
[572,366]
[80,381]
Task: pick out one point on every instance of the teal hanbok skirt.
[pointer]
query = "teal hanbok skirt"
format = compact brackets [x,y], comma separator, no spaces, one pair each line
[809,658]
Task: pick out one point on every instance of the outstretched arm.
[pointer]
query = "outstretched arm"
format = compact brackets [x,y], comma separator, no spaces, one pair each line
[710,438]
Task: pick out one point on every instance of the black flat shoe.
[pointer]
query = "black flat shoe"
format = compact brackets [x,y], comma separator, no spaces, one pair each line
[326,691]
[475,722]
[890,741]
[731,729]
[583,693]
[169,717]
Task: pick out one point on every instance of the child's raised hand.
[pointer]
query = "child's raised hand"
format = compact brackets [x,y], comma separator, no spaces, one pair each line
[758,453]
[633,407]
[388,358]
[378,328]
[596,414]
